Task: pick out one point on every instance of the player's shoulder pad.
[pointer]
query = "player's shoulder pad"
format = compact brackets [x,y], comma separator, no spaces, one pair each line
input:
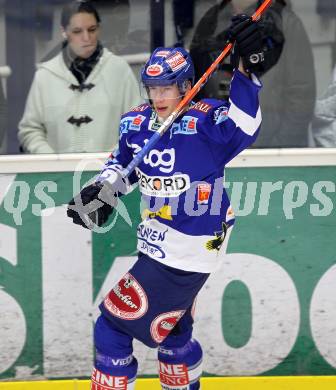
[214,109]
[205,106]
[135,118]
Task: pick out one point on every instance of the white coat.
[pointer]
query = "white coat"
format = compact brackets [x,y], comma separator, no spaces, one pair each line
[45,126]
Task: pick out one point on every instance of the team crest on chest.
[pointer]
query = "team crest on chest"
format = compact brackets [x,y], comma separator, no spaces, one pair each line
[221,115]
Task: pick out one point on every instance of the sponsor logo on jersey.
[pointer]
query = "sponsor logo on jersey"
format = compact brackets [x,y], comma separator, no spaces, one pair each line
[174,376]
[164,212]
[217,242]
[165,351]
[176,62]
[186,126]
[127,299]
[153,124]
[162,325]
[163,186]
[162,53]
[201,106]
[131,123]
[203,193]
[154,70]
[107,360]
[140,108]
[164,159]
[149,240]
[101,381]
[221,115]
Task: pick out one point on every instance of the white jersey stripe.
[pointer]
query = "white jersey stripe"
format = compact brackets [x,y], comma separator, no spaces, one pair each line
[247,123]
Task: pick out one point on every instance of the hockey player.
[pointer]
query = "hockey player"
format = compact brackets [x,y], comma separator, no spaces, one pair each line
[187,216]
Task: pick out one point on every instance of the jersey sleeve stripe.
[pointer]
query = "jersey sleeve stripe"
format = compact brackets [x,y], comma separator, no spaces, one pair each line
[248,124]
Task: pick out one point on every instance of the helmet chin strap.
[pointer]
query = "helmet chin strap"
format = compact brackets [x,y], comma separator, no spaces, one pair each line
[183,91]
[183,87]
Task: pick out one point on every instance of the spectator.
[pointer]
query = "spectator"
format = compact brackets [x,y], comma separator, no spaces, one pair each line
[77,98]
[326,9]
[183,12]
[288,95]
[324,122]
[3,120]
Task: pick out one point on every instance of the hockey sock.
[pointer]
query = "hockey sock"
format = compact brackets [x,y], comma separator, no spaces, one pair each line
[115,366]
[180,367]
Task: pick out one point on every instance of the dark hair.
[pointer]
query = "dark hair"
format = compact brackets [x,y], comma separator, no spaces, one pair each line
[76,7]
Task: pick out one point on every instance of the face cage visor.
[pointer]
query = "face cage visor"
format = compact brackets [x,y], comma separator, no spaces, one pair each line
[166,92]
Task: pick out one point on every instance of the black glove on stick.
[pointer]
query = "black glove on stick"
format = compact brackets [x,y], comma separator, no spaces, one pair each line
[248,43]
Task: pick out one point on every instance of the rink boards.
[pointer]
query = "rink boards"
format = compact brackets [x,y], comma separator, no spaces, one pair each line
[276,287]
[251,383]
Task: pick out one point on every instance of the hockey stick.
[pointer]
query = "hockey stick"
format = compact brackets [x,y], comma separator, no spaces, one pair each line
[187,99]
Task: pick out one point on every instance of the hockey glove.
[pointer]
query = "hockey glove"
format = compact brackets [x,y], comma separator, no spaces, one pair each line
[95,203]
[86,209]
[248,44]
[271,27]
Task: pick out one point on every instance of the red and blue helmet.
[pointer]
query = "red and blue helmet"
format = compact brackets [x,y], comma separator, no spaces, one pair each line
[168,66]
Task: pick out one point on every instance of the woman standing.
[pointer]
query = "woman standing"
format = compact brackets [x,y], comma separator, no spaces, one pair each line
[76,99]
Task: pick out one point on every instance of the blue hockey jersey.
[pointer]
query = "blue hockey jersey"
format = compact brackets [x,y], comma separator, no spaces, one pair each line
[187,212]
